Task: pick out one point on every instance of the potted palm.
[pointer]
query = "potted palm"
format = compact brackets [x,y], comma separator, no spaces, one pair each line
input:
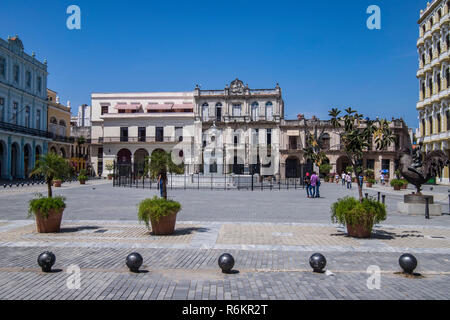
[110,167]
[359,217]
[82,177]
[397,184]
[57,182]
[48,210]
[356,135]
[370,178]
[160,212]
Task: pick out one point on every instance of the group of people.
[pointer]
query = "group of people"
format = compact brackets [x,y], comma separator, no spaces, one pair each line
[312,184]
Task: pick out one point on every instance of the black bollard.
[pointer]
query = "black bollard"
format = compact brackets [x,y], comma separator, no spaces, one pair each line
[317,261]
[367,195]
[427,208]
[408,263]
[383,198]
[378,196]
[46,260]
[226,262]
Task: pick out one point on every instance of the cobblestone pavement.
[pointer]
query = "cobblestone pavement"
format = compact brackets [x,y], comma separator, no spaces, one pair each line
[271,235]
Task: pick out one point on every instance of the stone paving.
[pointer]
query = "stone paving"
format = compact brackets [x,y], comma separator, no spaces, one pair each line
[271,235]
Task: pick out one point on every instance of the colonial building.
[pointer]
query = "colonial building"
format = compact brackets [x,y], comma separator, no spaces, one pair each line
[127,127]
[80,131]
[293,141]
[58,122]
[239,129]
[433,48]
[23,109]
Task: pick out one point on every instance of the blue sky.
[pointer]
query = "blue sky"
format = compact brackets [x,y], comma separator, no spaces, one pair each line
[321,53]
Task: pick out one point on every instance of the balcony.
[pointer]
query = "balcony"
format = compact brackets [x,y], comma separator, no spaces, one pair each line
[142,139]
[59,138]
[24,130]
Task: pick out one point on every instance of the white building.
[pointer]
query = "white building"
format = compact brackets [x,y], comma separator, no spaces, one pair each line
[127,127]
[23,109]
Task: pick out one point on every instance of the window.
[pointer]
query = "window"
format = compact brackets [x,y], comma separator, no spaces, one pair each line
[269,111]
[2,67]
[15,118]
[255,138]
[178,134]
[38,119]
[254,111]
[438,122]
[124,134]
[160,134]
[438,45]
[431,125]
[325,145]
[218,112]
[141,134]
[236,110]
[28,79]
[27,117]
[205,112]
[430,85]
[447,114]
[213,167]
[104,109]
[430,53]
[424,132]
[447,77]
[100,152]
[370,164]
[438,81]
[16,71]
[385,164]
[423,90]
[39,84]
[269,137]
[423,59]
[292,143]
[2,108]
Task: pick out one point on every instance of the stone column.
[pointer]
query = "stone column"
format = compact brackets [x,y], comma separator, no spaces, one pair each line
[22,160]
[8,160]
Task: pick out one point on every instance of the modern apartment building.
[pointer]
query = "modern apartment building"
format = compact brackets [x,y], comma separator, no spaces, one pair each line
[433,48]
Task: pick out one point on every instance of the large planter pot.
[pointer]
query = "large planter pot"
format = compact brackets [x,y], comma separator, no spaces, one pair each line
[405,186]
[50,224]
[359,231]
[165,225]
[82,181]
[397,188]
[57,183]
[109,177]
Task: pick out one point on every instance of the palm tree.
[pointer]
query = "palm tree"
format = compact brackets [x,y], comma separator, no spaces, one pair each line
[51,166]
[160,164]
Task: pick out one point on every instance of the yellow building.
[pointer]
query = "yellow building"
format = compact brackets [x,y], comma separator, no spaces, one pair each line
[433,47]
[58,123]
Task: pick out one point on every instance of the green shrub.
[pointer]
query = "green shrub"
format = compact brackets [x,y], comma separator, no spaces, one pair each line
[349,211]
[370,174]
[82,177]
[325,169]
[397,182]
[155,208]
[44,205]
[370,180]
[349,169]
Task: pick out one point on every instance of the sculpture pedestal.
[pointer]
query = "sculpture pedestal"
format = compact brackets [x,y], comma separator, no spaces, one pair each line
[414,204]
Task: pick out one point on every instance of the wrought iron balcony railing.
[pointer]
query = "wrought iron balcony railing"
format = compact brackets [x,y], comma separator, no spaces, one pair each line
[24,130]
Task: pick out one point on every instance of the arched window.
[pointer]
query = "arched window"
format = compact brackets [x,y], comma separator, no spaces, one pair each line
[269,111]
[438,81]
[53,120]
[438,47]
[205,112]
[254,111]
[430,119]
[218,112]
[423,90]
[439,13]
[438,122]
[423,59]
[424,132]
[423,28]
[430,85]
[430,53]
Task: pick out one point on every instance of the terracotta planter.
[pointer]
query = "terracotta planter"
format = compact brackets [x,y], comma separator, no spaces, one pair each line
[359,231]
[405,186]
[50,224]
[397,188]
[368,185]
[109,177]
[165,225]
[57,183]
[82,181]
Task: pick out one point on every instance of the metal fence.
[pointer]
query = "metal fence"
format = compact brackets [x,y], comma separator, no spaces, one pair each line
[132,175]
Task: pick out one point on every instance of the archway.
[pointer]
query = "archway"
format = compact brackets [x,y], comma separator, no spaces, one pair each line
[27,160]
[2,158]
[124,156]
[53,150]
[139,161]
[62,153]
[38,153]
[341,164]
[292,167]
[15,158]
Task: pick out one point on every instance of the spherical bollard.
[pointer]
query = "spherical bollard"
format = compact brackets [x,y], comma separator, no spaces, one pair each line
[317,261]
[134,261]
[46,260]
[226,262]
[407,262]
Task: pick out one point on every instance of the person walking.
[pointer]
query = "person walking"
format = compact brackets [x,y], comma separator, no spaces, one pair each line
[361,180]
[159,184]
[382,178]
[344,178]
[337,178]
[317,186]
[349,180]
[313,184]
[308,184]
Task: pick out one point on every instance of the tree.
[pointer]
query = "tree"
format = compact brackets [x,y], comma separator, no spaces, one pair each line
[160,164]
[314,142]
[357,136]
[51,166]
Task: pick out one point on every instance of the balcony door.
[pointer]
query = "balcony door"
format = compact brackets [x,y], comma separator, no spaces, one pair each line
[160,134]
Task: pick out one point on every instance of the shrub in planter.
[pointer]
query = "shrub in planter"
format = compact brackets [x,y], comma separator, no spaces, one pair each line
[405,184]
[82,177]
[397,183]
[160,213]
[359,217]
[57,182]
[370,182]
[110,176]
[48,213]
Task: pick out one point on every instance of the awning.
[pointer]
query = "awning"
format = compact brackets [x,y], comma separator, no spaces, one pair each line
[158,106]
[183,106]
[126,106]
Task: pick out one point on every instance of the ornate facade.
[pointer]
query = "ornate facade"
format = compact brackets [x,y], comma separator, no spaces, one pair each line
[433,48]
